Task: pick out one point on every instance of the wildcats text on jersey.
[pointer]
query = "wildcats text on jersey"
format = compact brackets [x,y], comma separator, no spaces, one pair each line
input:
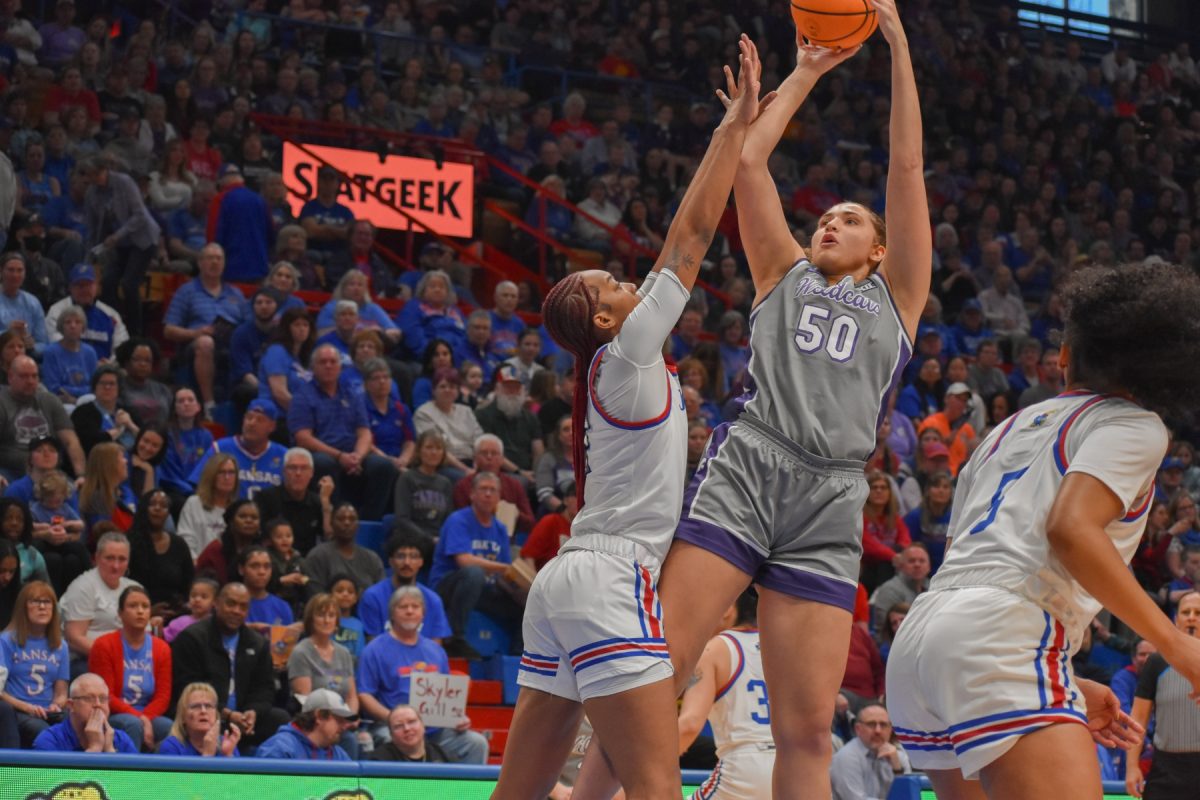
[842,292]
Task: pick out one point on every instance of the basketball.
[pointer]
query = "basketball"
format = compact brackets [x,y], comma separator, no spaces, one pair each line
[834,23]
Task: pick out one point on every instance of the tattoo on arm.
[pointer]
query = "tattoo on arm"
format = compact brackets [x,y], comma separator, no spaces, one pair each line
[692,681]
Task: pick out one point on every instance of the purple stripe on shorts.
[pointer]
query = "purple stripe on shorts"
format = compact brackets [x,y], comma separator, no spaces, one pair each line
[715,440]
[807,586]
[721,542]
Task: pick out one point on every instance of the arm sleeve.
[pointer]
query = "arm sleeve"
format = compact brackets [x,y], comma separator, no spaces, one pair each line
[1122,451]
[650,323]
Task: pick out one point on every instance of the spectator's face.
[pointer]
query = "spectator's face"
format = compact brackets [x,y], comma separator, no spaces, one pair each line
[327,366]
[112,561]
[408,732]
[12,276]
[956,405]
[257,427]
[264,308]
[1191,566]
[158,509]
[690,323]
[345,523]
[489,456]
[362,238]
[44,457]
[246,521]
[435,294]
[107,387]
[506,299]
[233,605]
[9,566]
[479,330]
[329,729]
[956,370]
[406,562]
[346,321]
[1051,371]
[873,727]
[529,348]
[445,393]
[282,538]
[256,572]
[200,712]
[407,615]
[697,438]
[432,454]
[89,698]
[149,445]
[212,263]
[931,372]
[284,279]
[989,356]
[186,404]
[23,377]
[1142,652]
[72,328]
[915,563]
[135,614]
[940,492]
[141,363]
[1187,618]
[485,496]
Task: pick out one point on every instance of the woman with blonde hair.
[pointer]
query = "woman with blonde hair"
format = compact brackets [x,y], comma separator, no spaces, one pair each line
[106,495]
[197,728]
[285,279]
[203,517]
[291,245]
[353,286]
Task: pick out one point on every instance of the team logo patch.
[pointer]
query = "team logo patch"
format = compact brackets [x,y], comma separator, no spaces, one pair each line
[1041,420]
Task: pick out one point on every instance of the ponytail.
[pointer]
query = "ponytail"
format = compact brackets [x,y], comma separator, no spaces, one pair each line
[567,313]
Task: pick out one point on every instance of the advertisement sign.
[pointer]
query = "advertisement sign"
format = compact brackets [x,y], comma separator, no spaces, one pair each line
[443,198]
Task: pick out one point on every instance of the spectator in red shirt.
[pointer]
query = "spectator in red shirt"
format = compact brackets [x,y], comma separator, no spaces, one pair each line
[553,529]
[70,93]
[863,681]
[202,159]
[572,123]
[884,532]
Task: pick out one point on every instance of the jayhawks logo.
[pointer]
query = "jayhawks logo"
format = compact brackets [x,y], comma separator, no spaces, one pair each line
[1042,419]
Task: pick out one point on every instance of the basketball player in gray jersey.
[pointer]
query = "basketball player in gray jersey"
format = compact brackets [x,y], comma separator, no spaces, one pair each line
[777,500]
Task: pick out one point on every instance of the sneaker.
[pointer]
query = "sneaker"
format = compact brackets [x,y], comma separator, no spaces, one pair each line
[458,647]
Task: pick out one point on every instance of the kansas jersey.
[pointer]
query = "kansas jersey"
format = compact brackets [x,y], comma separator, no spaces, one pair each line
[823,360]
[997,533]
[255,472]
[741,713]
[636,432]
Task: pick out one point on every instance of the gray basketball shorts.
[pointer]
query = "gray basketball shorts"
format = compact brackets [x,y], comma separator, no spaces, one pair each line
[789,519]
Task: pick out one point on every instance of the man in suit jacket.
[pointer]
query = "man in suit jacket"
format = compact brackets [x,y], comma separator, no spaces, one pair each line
[235,660]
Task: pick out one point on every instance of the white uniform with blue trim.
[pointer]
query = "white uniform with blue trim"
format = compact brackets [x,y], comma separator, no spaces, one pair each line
[593,623]
[741,725]
[984,656]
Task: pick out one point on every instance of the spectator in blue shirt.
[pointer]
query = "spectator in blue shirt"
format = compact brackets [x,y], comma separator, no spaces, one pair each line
[187,445]
[240,222]
[312,734]
[68,364]
[187,228]
[507,327]
[432,314]
[66,222]
[34,656]
[971,329]
[202,316]
[266,609]
[472,553]
[86,727]
[386,668]
[477,349]
[329,420]
[19,310]
[197,728]
[353,287]
[283,368]
[249,340]
[105,330]
[406,556]
[326,221]
[392,429]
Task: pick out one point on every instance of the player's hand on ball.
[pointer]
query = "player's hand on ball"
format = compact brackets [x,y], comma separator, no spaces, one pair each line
[820,60]
[741,98]
[889,20]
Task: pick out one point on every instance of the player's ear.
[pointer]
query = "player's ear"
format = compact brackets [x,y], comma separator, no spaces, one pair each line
[604,319]
[878,251]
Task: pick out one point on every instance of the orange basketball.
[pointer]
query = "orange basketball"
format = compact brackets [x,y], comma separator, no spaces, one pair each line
[834,23]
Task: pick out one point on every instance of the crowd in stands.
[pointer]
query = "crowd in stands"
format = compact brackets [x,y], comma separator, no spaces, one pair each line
[149,567]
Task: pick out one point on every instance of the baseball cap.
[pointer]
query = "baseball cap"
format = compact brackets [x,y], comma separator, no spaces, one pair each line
[38,441]
[82,272]
[265,407]
[972,305]
[507,372]
[429,247]
[1171,462]
[935,450]
[958,387]
[229,170]
[926,329]
[325,700]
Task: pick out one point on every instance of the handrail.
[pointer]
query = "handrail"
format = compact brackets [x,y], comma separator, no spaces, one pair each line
[307,127]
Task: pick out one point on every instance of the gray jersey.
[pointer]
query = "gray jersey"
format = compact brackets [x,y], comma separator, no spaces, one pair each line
[823,360]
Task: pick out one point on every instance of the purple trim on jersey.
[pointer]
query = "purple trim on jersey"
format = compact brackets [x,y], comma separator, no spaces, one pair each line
[1136,512]
[1060,446]
[721,542]
[902,360]
[807,585]
[887,290]
[715,440]
[741,656]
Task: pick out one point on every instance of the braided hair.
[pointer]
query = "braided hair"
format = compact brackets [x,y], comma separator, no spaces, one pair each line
[567,313]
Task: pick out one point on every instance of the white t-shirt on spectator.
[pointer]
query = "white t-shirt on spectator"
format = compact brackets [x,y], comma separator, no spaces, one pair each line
[88,597]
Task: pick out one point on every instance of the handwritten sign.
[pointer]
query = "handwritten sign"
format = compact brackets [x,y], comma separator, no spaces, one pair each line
[441,700]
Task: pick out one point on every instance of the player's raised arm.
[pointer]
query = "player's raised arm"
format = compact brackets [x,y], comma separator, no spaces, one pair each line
[770,247]
[695,223]
[908,265]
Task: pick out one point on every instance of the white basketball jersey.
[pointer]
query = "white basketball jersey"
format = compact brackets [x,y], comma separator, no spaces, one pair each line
[636,433]
[997,533]
[741,713]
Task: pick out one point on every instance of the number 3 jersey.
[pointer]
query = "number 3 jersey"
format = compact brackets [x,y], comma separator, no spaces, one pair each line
[741,712]
[997,535]
[823,359]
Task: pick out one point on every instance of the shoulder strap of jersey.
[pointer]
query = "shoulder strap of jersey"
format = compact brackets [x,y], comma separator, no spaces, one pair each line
[737,662]
[1061,459]
[616,422]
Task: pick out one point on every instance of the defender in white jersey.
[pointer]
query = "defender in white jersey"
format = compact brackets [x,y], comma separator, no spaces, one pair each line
[593,627]
[1047,515]
[728,689]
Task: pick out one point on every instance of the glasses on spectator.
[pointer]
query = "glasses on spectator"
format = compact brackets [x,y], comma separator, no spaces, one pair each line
[40,601]
[202,706]
[92,699]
